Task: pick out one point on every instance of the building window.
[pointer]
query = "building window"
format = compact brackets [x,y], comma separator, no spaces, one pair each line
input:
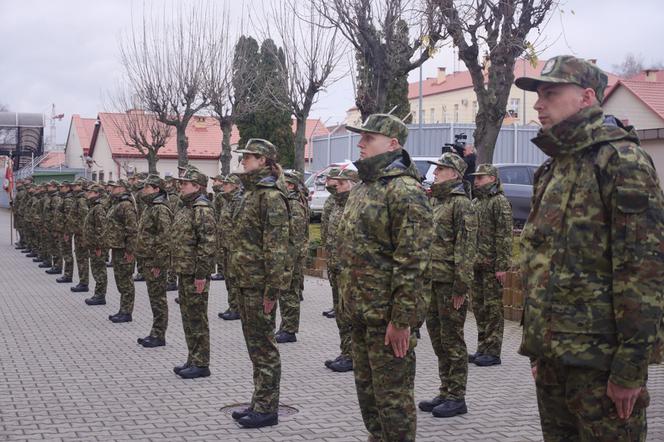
[101,175]
[110,176]
[94,176]
[513,108]
[432,115]
[443,113]
[456,113]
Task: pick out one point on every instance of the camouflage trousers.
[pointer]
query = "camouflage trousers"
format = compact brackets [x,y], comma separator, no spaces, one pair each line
[231,285]
[82,259]
[171,277]
[343,322]
[123,273]
[385,384]
[289,301]
[445,325]
[99,274]
[52,249]
[67,255]
[488,309]
[194,311]
[573,406]
[258,330]
[156,286]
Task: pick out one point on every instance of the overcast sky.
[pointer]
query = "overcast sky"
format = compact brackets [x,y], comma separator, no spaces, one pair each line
[66,51]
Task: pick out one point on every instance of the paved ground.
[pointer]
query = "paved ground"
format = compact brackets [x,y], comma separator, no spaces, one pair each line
[70,374]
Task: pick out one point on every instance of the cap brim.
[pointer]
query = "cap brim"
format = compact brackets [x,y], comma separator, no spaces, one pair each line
[359,130]
[480,174]
[532,83]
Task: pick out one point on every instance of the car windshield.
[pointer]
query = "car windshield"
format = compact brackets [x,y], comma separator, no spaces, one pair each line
[422,167]
[514,175]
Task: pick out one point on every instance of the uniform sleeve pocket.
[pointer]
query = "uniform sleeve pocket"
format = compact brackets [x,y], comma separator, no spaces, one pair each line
[630,201]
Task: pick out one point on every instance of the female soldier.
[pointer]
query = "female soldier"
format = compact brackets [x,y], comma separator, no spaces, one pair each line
[259,263]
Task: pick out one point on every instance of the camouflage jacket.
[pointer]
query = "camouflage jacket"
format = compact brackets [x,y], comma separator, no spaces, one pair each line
[592,260]
[68,202]
[299,225]
[260,248]
[77,213]
[193,242]
[153,239]
[325,219]
[218,203]
[333,220]
[32,213]
[93,226]
[454,243]
[174,202]
[494,231]
[58,214]
[46,210]
[121,224]
[226,221]
[384,248]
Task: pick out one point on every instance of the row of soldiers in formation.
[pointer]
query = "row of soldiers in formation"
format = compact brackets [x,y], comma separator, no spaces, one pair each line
[471,246]
[173,227]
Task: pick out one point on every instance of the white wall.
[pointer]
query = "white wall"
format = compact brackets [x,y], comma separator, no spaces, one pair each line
[102,158]
[73,149]
[625,105]
[655,149]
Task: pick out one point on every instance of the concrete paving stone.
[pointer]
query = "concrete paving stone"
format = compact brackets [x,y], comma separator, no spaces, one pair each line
[70,374]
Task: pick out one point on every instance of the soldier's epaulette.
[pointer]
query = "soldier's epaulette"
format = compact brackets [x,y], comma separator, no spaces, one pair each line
[268,181]
[202,201]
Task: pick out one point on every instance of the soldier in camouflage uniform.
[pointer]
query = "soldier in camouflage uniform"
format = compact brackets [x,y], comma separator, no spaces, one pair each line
[592,262]
[34,214]
[289,301]
[259,263]
[193,248]
[94,240]
[175,204]
[330,186]
[343,182]
[75,221]
[384,283]
[225,231]
[452,259]
[152,248]
[136,183]
[121,228]
[494,253]
[16,207]
[217,205]
[61,225]
[50,231]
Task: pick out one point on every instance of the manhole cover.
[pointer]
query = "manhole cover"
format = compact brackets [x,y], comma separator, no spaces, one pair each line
[284,410]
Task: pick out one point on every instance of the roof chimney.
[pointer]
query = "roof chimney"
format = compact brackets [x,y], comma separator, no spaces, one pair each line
[440,76]
[651,75]
[592,60]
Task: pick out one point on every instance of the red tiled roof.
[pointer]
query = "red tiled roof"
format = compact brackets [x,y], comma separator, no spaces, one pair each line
[649,92]
[641,76]
[204,136]
[84,128]
[315,128]
[54,158]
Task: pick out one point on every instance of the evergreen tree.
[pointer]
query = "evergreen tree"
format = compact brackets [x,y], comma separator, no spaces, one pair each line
[271,120]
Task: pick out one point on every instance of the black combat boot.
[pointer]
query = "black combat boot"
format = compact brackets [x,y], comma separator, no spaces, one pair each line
[79,288]
[283,337]
[342,365]
[96,300]
[64,279]
[450,408]
[428,406]
[253,419]
[194,372]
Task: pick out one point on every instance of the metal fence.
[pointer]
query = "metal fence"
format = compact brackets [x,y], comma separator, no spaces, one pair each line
[513,144]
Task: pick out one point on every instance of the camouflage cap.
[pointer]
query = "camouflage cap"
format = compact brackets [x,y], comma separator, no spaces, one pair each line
[52,183]
[383,124]
[118,183]
[108,183]
[95,188]
[232,178]
[453,161]
[333,172]
[154,180]
[219,177]
[183,169]
[259,146]
[567,69]
[142,175]
[486,169]
[195,176]
[348,174]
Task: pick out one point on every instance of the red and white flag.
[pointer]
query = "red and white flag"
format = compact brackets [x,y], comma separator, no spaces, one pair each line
[8,176]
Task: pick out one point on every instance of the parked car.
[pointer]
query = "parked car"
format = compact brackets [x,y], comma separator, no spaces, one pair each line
[316,185]
[517,182]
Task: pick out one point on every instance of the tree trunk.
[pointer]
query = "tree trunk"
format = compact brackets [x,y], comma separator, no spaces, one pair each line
[226,125]
[300,142]
[152,161]
[486,134]
[183,144]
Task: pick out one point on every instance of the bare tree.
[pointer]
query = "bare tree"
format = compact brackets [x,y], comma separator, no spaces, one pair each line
[312,54]
[230,74]
[4,108]
[376,29]
[490,35]
[165,61]
[140,129]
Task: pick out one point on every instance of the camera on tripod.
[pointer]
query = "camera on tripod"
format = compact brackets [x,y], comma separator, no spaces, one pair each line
[458,146]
